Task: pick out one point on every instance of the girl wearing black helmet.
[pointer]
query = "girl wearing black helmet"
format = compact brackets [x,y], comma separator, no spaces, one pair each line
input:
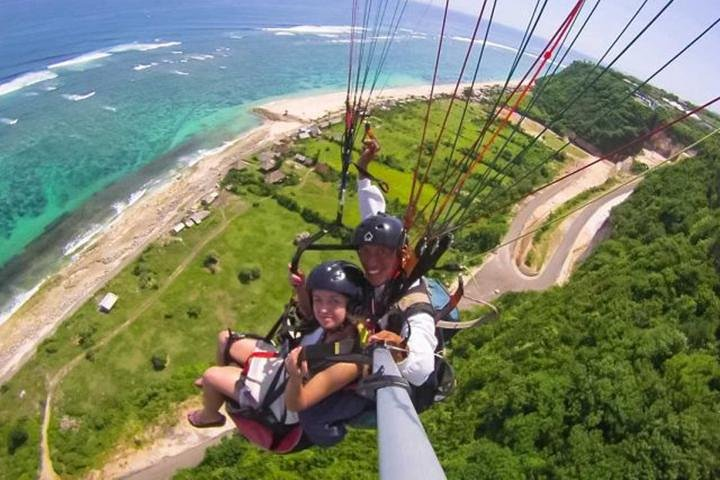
[337,290]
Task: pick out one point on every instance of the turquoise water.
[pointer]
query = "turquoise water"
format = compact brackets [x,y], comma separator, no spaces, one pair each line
[100,102]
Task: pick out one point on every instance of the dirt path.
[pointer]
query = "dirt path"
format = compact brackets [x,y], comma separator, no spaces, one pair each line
[46,468]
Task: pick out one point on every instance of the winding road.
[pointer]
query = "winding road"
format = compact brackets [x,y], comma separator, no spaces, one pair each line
[500,273]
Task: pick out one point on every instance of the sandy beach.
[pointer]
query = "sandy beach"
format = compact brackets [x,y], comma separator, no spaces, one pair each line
[154,215]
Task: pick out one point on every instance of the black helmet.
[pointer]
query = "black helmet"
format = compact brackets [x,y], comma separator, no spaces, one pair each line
[341,277]
[380,229]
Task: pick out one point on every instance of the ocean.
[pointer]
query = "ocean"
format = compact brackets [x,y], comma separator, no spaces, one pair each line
[102,101]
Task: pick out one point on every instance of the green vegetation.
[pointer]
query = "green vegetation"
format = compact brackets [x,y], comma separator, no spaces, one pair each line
[249,274]
[598,117]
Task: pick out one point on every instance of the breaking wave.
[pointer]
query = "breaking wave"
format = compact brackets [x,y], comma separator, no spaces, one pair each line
[26,80]
[106,52]
[313,30]
[77,97]
[143,66]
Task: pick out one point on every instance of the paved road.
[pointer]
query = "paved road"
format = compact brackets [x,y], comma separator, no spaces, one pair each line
[500,274]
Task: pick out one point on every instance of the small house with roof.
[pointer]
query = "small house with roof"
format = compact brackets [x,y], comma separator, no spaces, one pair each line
[268,161]
[272,178]
[108,302]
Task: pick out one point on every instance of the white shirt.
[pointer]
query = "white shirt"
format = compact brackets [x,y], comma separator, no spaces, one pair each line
[420,327]
[370,197]
[421,344]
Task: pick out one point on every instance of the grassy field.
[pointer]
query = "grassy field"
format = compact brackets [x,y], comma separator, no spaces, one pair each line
[171,306]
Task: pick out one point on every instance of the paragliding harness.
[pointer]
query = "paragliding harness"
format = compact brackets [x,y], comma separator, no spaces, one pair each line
[272,428]
[262,417]
[406,295]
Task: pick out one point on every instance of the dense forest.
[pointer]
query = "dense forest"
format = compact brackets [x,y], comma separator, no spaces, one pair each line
[614,375]
[600,110]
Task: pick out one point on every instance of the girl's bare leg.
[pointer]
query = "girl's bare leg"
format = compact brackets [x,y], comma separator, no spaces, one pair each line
[239,351]
[218,385]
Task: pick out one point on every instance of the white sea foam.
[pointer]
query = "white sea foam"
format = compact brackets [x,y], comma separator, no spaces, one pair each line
[143,66]
[106,52]
[120,207]
[26,80]
[202,57]
[50,88]
[236,37]
[77,97]
[109,108]
[81,59]
[499,46]
[83,239]
[315,29]
[8,121]
[141,47]
[177,52]
[18,300]
[31,94]
[179,72]
[284,34]
[193,158]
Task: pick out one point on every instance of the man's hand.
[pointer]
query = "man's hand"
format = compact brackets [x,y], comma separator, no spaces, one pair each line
[394,340]
[370,149]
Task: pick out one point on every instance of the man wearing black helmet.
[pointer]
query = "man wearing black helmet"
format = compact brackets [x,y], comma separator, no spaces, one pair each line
[407,322]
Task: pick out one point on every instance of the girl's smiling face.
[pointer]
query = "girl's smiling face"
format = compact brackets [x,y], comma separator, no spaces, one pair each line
[330,308]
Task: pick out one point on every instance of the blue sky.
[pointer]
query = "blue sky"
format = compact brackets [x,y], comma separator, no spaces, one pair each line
[693,76]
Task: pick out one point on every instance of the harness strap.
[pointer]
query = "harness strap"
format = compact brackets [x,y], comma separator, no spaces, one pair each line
[232,338]
[416,300]
[447,325]
[413,298]
[452,301]
[322,355]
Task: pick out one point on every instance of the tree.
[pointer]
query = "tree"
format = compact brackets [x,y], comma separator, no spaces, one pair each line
[159,361]
[248,274]
[16,438]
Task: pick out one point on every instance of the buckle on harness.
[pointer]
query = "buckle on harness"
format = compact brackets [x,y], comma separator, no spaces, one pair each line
[368,386]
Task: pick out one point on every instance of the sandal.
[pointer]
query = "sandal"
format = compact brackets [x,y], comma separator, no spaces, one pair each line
[194,420]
